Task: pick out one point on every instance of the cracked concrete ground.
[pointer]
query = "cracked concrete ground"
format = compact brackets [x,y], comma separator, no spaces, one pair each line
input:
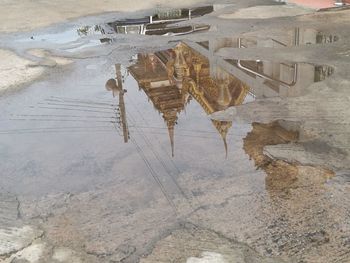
[73,191]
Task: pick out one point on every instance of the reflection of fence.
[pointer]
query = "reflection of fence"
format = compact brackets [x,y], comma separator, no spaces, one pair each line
[168,14]
[322,72]
[323,39]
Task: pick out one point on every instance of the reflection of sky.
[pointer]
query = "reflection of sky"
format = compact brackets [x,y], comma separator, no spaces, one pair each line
[248,98]
[67,36]
[90,43]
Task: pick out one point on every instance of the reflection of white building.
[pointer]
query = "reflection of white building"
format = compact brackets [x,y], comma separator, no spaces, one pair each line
[269,78]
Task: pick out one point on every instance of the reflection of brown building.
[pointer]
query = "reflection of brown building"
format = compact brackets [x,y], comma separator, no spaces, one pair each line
[170,78]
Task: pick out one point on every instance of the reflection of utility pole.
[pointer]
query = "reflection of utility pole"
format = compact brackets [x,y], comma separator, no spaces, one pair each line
[122,103]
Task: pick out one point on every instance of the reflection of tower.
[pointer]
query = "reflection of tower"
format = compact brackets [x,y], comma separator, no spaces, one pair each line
[225,97]
[197,66]
[160,89]
[223,128]
[170,118]
[180,65]
[116,86]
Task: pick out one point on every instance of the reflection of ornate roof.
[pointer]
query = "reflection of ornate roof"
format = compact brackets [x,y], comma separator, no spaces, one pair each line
[169,77]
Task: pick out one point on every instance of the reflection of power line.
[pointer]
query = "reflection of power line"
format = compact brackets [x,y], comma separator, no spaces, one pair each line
[167,170]
[63,115]
[178,129]
[146,122]
[96,102]
[160,160]
[153,174]
[62,120]
[155,154]
[116,86]
[77,105]
[54,131]
[182,134]
[72,109]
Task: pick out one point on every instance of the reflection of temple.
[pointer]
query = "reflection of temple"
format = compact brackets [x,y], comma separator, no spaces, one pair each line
[170,78]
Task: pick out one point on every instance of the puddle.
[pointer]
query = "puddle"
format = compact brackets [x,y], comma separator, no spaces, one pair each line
[170,83]
[172,79]
[166,22]
[162,23]
[289,38]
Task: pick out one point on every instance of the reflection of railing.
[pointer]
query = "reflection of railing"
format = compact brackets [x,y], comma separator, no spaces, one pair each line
[176,30]
[278,42]
[262,75]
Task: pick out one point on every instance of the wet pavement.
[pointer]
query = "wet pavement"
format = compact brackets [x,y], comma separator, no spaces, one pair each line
[175,149]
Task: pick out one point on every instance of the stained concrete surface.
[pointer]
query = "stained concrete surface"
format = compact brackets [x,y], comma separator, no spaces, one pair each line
[73,191]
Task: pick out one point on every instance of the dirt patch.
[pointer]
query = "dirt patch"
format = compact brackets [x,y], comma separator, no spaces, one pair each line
[280,174]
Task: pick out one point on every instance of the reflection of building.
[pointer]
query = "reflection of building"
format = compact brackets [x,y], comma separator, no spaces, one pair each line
[170,78]
[163,22]
[270,78]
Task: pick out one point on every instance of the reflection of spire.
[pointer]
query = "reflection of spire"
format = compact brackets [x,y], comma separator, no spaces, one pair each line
[224,97]
[180,66]
[170,117]
[223,128]
[197,65]
[171,136]
[225,144]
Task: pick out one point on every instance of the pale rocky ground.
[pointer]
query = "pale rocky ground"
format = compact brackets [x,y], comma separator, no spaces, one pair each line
[86,198]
